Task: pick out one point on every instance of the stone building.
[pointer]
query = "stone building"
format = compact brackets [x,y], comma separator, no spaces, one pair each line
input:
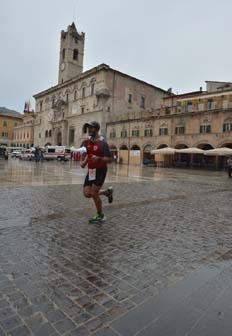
[8,120]
[201,119]
[101,93]
[135,116]
[23,134]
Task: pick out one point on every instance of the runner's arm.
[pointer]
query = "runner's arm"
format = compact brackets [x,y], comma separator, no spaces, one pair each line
[84,157]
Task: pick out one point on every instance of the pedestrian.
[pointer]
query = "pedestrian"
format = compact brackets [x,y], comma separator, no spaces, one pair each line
[229,166]
[41,155]
[37,154]
[97,157]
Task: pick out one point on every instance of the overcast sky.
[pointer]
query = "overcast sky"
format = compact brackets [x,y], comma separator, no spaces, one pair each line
[168,43]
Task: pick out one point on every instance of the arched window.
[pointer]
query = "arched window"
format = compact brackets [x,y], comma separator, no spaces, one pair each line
[83,88]
[75,54]
[92,89]
[50,133]
[46,134]
[63,54]
[92,86]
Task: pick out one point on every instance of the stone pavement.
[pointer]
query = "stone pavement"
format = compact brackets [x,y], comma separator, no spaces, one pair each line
[160,264]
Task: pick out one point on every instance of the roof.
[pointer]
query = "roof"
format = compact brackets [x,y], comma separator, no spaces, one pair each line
[10,113]
[207,81]
[187,94]
[100,67]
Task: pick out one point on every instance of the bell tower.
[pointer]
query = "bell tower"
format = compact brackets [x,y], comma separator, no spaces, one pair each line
[71,53]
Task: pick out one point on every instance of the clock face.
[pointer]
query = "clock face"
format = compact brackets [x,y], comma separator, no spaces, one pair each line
[62,66]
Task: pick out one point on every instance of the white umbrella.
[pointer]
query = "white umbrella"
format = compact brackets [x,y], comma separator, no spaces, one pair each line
[219,151]
[164,151]
[191,150]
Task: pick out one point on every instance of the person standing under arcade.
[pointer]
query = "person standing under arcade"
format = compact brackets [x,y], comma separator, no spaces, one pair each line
[97,157]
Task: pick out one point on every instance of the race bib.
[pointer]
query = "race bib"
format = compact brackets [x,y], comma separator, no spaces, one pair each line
[92,174]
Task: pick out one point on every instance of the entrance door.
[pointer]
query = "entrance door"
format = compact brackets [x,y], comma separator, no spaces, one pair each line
[59,139]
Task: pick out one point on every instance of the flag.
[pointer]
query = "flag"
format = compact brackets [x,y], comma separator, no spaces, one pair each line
[27,106]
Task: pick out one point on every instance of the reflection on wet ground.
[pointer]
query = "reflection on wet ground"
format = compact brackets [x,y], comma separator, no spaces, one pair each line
[160,265]
[15,172]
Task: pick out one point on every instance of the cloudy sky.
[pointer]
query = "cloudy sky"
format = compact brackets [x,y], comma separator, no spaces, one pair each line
[168,43]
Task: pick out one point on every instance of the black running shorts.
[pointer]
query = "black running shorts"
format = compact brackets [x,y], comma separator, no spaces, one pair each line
[100,177]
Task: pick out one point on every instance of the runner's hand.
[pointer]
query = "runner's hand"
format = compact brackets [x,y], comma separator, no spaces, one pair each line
[95,158]
[83,165]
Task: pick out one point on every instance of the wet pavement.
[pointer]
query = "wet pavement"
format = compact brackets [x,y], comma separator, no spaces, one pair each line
[160,265]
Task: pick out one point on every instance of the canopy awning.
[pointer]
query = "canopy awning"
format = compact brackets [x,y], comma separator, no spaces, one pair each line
[191,150]
[219,151]
[164,151]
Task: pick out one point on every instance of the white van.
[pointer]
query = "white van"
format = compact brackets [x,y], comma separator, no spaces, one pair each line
[26,154]
[57,152]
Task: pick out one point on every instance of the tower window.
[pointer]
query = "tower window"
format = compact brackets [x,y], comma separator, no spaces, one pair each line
[129,98]
[83,92]
[75,95]
[75,54]
[63,54]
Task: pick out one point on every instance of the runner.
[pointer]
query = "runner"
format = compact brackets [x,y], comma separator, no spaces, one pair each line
[97,157]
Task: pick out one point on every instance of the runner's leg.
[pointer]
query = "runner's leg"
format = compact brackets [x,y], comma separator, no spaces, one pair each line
[95,191]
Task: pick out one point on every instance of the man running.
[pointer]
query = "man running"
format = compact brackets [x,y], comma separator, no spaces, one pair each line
[97,158]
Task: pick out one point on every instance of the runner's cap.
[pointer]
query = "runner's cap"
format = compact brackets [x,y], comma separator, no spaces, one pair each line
[93,124]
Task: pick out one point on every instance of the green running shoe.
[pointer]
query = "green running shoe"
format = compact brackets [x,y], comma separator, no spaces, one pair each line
[98,218]
[110,191]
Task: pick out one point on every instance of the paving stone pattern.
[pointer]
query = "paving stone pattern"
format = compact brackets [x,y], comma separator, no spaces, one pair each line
[61,276]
